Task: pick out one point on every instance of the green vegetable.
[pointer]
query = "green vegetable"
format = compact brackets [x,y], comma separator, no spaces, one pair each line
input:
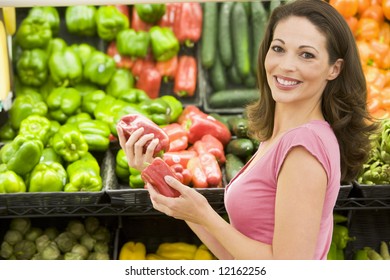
[96,133]
[32,67]
[217,74]
[47,177]
[341,236]
[122,169]
[33,32]
[98,256]
[258,22]
[238,126]
[133,43]
[84,175]
[22,154]
[84,52]
[62,103]
[55,45]
[233,165]
[241,147]
[69,143]
[240,39]
[51,251]
[51,232]
[110,21]
[10,182]
[99,68]
[133,95]
[80,20]
[233,75]
[158,110]
[102,234]
[65,67]
[13,236]
[49,14]
[176,107]
[164,43]
[37,127]
[24,249]
[6,250]
[33,233]
[122,80]
[209,34]
[233,98]
[20,224]
[224,34]
[87,241]
[7,132]
[41,242]
[65,241]
[101,247]
[90,101]
[91,224]
[76,227]
[150,13]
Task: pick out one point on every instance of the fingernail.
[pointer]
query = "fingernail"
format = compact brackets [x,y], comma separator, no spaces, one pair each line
[168,179]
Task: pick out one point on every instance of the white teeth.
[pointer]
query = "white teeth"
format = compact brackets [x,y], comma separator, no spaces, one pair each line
[286,83]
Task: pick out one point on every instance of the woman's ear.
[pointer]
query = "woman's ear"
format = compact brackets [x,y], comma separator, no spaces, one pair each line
[335,69]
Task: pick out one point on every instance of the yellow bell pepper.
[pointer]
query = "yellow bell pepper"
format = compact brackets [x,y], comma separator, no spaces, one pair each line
[203,253]
[152,256]
[177,250]
[133,251]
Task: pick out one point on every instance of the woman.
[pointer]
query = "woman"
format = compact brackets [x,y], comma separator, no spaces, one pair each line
[313,125]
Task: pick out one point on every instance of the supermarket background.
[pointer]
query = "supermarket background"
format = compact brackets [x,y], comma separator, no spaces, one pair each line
[74,71]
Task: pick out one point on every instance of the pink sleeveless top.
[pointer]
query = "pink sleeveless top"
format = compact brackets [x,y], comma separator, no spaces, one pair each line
[250,198]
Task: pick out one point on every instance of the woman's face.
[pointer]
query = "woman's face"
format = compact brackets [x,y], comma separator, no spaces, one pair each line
[297,63]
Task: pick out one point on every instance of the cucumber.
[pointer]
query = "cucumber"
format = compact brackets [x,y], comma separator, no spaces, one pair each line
[233,75]
[241,147]
[224,35]
[250,80]
[259,18]
[233,165]
[238,126]
[218,74]
[209,34]
[240,39]
[231,98]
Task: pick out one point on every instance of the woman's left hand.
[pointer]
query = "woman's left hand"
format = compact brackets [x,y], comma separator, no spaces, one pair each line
[190,206]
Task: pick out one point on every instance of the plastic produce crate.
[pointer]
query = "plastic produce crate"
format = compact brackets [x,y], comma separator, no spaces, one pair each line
[372,191]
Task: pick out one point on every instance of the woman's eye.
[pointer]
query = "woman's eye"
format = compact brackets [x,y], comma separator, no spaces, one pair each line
[277,49]
[307,55]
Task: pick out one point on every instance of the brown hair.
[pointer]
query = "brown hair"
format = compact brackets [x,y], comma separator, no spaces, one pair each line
[344,98]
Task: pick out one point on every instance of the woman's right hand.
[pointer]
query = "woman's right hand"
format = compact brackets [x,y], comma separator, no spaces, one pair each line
[137,156]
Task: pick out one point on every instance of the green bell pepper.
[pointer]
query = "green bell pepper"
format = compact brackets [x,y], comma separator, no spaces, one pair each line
[99,68]
[362,254]
[335,253]
[47,177]
[133,43]
[84,175]
[37,127]
[55,45]
[63,103]
[32,67]
[33,32]
[50,155]
[21,154]
[96,133]
[158,110]
[110,21]
[10,182]
[176,107]
[150,13]
[26,105]
[341,236]
[84,51]
[80,20]
[135,179]
[121,80]
[122,169]
[103,110]
[80,117]
[65,67]
[46,88]
[164,43]
[7,133]
[69,143]
[90,101]
[49,14]
[133,96]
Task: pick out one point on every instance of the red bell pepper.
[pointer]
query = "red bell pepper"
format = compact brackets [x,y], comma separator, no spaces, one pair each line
[199,179]
[211,169]
[131,122]
[181,157]
[154,174]
[197,126]
[178,138]
[167,68]
[137,23]
[188,23]
[149,80]
[210,144]
[124,9]
[168,19]
[188,111]
[141,64]
[121,61]
[186,76]
[185,174]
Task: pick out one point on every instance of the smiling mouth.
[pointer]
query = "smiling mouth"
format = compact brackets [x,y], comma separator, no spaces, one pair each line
[286,82]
